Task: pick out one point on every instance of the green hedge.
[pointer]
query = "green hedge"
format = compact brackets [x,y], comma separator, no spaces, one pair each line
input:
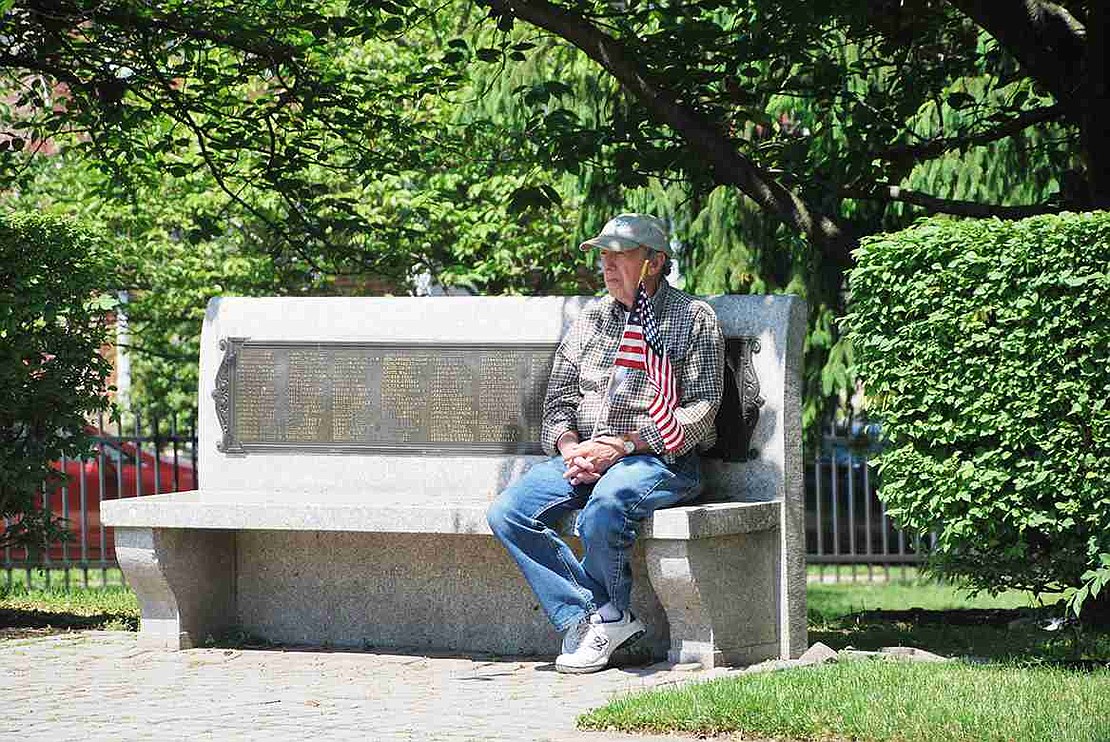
[52,324]
[984,347]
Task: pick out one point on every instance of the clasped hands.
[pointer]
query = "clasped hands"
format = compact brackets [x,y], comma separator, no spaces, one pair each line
[588,460]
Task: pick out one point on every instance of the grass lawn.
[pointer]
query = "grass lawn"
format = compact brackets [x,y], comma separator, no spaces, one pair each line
[833,600]
[1017,681]
[876,700]
[44,604]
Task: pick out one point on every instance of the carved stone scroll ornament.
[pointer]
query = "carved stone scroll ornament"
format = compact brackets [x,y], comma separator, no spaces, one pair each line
[747,384]
[223,394]
[740,403]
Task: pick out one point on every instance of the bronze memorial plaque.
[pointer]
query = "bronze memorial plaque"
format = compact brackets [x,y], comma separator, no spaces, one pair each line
[359,397]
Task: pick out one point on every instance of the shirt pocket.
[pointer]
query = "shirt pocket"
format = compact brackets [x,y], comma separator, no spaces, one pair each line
[674,332]
[677,341]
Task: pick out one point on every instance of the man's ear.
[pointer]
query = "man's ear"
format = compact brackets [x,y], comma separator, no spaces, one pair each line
[656,262]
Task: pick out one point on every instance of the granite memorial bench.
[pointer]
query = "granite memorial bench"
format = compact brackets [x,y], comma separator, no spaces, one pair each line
[349,449]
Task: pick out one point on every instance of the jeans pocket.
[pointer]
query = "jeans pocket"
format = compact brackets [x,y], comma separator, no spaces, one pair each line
[689,470]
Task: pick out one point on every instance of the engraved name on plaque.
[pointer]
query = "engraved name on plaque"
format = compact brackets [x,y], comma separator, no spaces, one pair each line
[359,397]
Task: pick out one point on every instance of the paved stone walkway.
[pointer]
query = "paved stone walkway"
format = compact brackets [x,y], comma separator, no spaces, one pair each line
[100,685]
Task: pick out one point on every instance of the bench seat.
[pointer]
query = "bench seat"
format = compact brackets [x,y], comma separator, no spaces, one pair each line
[257,510]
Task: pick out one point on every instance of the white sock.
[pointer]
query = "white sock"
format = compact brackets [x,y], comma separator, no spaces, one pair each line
[610,612]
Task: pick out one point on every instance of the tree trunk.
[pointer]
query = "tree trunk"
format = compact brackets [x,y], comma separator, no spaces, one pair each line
[1095,116]
[704,136]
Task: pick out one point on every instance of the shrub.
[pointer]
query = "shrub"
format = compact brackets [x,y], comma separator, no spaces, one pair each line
[984,347]
[52,324]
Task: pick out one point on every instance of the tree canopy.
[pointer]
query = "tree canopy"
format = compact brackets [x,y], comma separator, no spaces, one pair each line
[804,106]
[801,106]
[394,137]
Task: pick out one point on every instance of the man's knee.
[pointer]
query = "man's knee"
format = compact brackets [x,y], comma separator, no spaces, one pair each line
[510,508]
[628,479]
[603,520]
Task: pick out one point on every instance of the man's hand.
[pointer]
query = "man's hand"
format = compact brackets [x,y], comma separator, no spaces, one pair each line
[579,469]
[568,446]
[587,461]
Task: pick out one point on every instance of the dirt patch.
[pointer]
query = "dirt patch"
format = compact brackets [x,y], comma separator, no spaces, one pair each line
[955,617]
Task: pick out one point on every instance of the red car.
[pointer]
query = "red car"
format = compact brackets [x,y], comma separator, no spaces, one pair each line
[125,470]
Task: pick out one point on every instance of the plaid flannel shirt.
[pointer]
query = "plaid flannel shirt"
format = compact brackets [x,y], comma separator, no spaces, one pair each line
[578,392]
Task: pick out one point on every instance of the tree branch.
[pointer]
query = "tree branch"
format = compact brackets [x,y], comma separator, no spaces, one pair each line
[122,18]
[931,148]
[185,116]
[31,64]
[935,205]
[704,137]
[1048,41]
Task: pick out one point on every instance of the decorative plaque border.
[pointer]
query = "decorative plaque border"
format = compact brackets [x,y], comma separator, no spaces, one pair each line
[735,422]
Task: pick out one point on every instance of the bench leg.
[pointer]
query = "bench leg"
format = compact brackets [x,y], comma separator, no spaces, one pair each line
[721,596]
[184,580]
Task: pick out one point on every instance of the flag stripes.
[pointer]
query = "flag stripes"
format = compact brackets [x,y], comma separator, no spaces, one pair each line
[630,353]
[641,348]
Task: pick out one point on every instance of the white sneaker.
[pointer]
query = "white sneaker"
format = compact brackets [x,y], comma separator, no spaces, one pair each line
[597,645]
[574,635]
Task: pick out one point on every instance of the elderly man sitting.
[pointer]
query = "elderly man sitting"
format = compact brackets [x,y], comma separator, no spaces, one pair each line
[623,436]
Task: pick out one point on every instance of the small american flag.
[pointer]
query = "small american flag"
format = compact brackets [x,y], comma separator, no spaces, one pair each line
[641,348]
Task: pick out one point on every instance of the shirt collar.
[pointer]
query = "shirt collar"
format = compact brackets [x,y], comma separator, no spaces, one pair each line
[658,299]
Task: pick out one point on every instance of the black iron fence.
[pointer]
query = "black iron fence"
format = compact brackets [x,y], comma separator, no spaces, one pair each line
[848,533]
[144,456]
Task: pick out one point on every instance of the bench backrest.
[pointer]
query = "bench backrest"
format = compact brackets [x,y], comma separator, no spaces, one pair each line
[414,400]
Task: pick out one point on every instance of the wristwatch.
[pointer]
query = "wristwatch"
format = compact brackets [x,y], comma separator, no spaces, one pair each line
[629,445]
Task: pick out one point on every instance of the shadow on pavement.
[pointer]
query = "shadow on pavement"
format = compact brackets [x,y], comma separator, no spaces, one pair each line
[19,623]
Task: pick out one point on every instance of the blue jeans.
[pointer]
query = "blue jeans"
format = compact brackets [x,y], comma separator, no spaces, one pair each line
[570,589]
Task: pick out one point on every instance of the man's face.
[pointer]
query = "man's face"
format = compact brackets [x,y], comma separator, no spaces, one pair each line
[622,272]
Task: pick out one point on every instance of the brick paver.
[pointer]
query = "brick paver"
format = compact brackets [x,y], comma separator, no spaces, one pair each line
[102,685]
